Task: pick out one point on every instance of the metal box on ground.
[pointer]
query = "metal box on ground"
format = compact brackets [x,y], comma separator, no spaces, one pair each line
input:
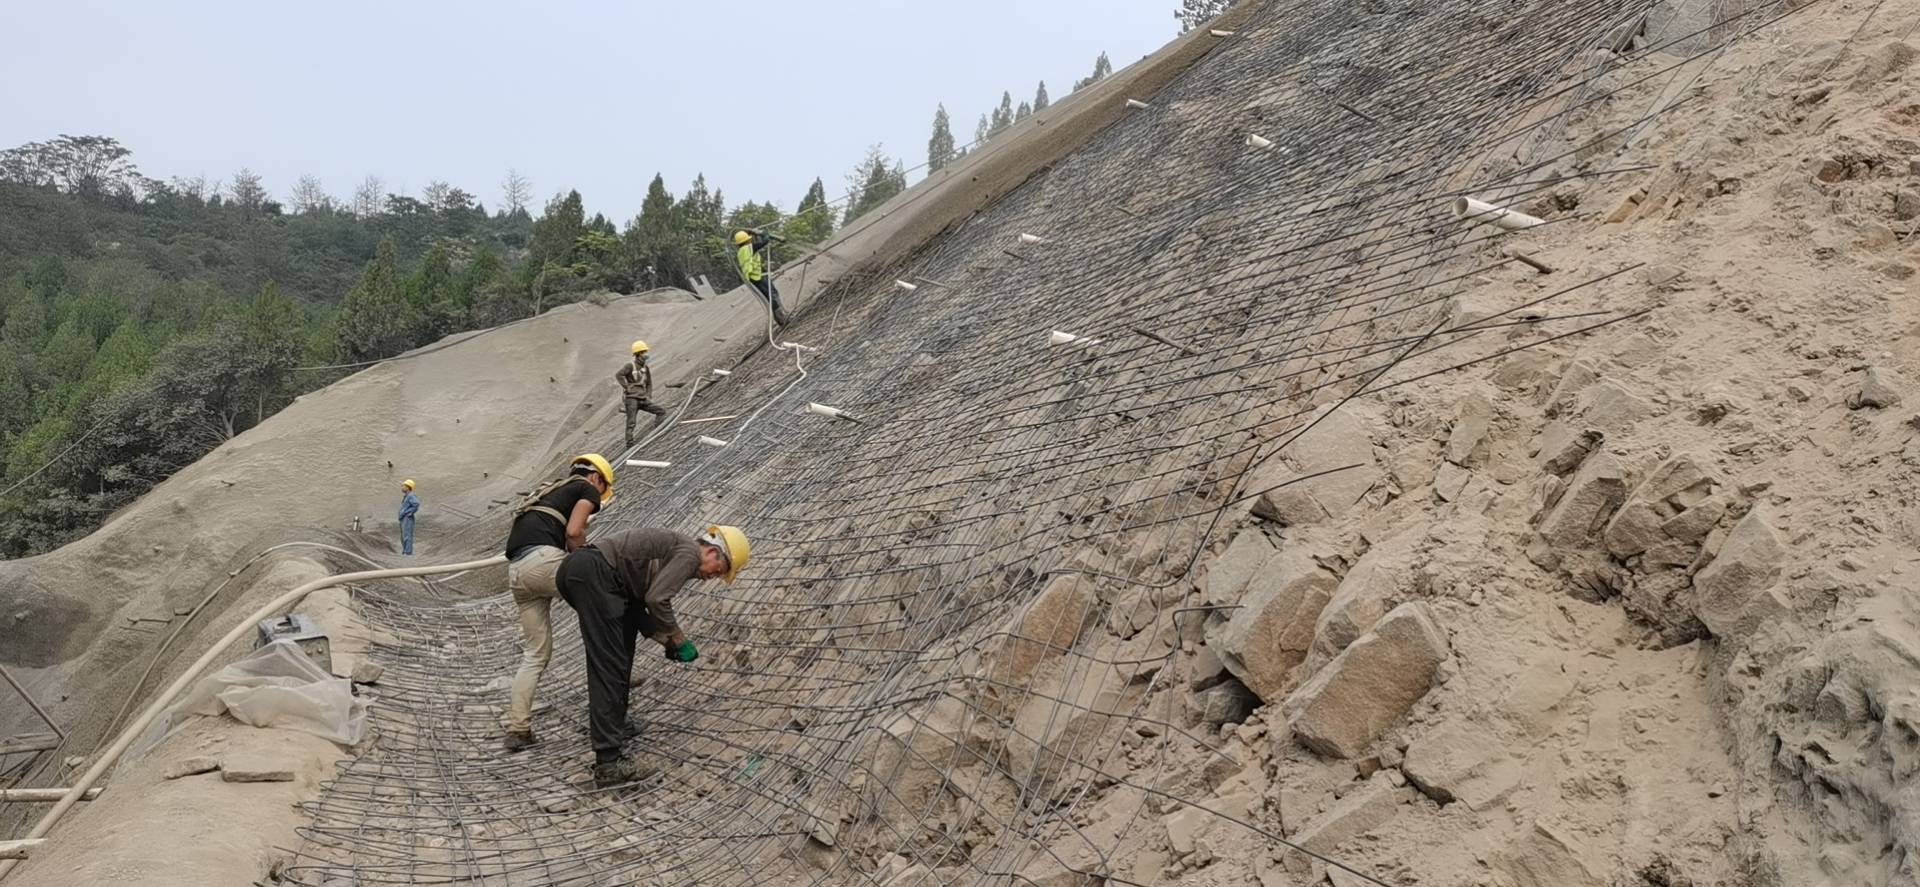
[303,632]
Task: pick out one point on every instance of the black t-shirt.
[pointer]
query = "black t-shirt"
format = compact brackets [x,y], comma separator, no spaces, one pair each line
[539,528]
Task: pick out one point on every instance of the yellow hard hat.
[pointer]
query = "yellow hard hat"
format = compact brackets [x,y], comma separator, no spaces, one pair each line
[731,543]
[640,346]
[741,237]
[406,484]
[601,465]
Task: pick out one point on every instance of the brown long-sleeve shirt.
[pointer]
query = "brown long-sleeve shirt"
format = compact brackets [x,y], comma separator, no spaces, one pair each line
[636,380]
[652,565]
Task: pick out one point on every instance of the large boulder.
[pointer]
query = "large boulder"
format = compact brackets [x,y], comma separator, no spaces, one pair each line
[1591,497]
[1341,710]
[1268,637]
[1735,592]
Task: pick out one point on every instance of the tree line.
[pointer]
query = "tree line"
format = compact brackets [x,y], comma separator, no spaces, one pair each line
[941,149]
[144,322]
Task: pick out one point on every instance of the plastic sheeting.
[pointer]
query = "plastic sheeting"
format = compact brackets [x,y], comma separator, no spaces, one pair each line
[276,686]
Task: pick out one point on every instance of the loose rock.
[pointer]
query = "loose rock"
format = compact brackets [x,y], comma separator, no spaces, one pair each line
[1371,684]
[1467,444]
[193,766]
[1272,631]
[368,672]
[1460,763]
[1591,497]
[1372,805]
[1732,593]
[1230,702]
[257,767]
[1879,389]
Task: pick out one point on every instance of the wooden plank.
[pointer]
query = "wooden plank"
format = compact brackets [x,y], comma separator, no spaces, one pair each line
[42,795]
[27,742]
[18,849]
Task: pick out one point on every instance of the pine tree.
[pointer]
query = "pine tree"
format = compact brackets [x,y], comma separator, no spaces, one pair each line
[700,215]
[1002,116]
[940,146]
[376,320]
[1023,112]
[1194,13]
[554,234]
[653,248]
[980,131]
[1040,100]
[813,223]
[874,181]
[1101,68]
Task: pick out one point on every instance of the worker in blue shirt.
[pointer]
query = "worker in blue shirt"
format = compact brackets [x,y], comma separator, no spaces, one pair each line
[409,506]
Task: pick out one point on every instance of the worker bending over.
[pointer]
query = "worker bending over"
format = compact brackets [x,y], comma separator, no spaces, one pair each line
[552,522]
[636,386]
[752,257]
[622,586]
[409,506]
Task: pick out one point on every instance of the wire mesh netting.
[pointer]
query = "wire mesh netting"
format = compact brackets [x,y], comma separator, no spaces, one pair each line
[966,600]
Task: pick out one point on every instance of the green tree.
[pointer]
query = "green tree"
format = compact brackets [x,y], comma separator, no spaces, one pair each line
[703,232]
[1040,100]
[940,146]
[1194,13]
[1023,112]
[377,320]
[812,223]
[1002,116]
[557,230]
[980,130]
[875,181]
[654,246]
[1101,68]
[123,357]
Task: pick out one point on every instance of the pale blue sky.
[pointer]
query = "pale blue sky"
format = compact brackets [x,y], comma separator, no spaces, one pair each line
[761,96]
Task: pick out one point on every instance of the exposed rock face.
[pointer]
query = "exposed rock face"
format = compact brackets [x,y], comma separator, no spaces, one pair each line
[1347,705]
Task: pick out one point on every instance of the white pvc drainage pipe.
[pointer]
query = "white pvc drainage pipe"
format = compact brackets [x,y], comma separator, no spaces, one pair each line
[1470,210]
[240,630]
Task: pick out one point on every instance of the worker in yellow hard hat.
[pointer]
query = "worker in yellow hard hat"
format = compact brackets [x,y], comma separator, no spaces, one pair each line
[409,506]
[636,387]
[750,252]
[550,522]
[622,586]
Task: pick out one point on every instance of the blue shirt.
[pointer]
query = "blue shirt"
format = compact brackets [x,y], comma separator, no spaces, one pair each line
[409,504]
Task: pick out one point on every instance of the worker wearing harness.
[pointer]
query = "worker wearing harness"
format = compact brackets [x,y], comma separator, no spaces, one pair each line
[622,586]
[751,252]
[552,522]
[636,386]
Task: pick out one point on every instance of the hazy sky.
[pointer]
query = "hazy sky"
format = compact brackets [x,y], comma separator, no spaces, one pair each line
[761,96]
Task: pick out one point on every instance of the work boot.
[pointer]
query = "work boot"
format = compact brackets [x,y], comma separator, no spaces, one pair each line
[519,739]
[621,771]
[779,315]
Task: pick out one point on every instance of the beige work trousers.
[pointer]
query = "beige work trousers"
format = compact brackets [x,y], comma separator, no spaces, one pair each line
[531,579]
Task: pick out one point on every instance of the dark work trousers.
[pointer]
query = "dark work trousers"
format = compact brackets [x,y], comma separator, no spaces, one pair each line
[610,620]
[635,406]
[769,292]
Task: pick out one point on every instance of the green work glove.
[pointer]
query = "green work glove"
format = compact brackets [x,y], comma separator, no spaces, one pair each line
[683,653]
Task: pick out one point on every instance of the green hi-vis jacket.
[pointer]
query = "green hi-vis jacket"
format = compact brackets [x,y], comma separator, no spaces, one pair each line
[749,263]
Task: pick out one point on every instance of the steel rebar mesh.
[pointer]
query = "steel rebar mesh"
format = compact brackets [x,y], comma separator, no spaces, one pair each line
[893,673]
